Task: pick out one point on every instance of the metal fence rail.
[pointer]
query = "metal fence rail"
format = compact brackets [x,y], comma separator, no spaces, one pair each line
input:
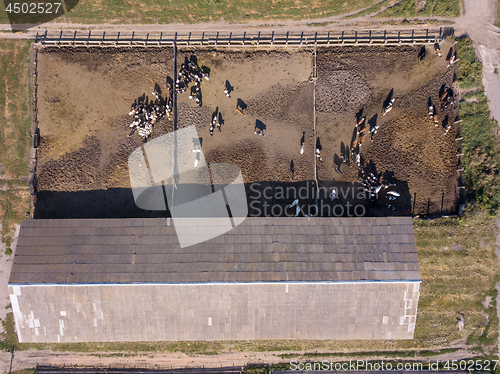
[133,39]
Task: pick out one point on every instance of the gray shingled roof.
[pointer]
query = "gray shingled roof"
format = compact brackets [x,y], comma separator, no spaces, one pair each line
[258,250]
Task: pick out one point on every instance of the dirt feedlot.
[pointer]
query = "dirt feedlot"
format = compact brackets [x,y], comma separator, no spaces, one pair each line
[84,96]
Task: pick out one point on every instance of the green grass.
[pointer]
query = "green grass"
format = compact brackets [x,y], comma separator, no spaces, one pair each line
[406,8]
[373,9]
[15,121]
[15,126]
[480,161]
[8,338]
[497,24]
[191,11]
[459,269]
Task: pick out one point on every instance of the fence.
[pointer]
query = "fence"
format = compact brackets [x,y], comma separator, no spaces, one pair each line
[133,39]
[34,126]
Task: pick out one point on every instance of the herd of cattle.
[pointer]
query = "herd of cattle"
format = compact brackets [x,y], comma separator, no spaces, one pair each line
[370,182]
[147,113]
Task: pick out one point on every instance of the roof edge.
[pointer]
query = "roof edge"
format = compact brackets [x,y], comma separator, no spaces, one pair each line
[210,283]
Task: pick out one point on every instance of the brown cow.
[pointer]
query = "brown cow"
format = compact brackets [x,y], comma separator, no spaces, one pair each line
[361,139]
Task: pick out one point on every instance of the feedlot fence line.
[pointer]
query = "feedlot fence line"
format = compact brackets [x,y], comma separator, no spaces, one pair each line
[35,132]
[230,39]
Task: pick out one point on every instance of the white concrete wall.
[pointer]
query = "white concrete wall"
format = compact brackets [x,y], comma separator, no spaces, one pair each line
[219,311]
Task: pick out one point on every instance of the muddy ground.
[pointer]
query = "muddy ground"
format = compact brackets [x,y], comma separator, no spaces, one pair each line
[85,95]
[408,149]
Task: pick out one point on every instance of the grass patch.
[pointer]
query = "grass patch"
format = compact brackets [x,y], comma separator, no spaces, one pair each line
[406,8]
[481,162]
[8,338]
[14,107]
[497,24]
[13,204]
[373,9]
[15,130]
[459,269]
[193,11]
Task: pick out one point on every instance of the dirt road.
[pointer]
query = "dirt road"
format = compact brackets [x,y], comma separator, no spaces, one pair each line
[29,359]
[478,23]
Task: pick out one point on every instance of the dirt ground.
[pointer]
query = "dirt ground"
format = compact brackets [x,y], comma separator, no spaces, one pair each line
[408,150]
[82,169]
[82,159]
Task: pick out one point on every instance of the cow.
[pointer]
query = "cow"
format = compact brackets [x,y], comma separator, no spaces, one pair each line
[389,107]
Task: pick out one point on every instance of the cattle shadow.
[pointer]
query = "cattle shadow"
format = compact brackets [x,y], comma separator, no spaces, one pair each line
[353,137]
[241,104]
[292,168]
[344,153]
[422,54]
[429,102]
[260,126]
[206,70]
[359,114]
[228,86]
[193,59]
[221,121]
[442,90]
[318,143]
[215,114]
[337,160]
[158,89]
[388,98]
[143,99]
[169,83]
[372,122]
[445,121]
[436,46]
[450,53]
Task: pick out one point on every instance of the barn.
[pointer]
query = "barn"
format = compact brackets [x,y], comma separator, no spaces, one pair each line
[103,280]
